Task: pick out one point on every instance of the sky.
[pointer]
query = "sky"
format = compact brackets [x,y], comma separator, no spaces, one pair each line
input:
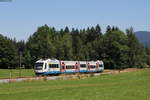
[20,18]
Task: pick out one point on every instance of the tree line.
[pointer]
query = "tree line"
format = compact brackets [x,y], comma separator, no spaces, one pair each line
[116,48]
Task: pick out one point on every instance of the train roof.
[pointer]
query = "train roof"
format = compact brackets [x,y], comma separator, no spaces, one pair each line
[47,60]
[65,61]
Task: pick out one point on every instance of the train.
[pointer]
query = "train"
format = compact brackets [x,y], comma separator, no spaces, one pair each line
[55,67]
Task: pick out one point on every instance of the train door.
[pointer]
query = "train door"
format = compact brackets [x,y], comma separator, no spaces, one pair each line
[62,67]
[88,66]
[77,67]
[97,66]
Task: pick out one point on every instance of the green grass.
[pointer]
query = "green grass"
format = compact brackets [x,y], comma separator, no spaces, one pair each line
[5,73]
[124,86]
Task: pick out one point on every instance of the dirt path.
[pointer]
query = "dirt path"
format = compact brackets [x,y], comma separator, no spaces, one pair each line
[121,71]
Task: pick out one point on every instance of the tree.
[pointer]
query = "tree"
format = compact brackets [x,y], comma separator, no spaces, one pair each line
[108,29]
[76,44]
[27,60]
[98,29]
[136,51]
[92,34]
[8,53]
[147,60]
[115,49]
[40,44]
[66,30]
[67,46]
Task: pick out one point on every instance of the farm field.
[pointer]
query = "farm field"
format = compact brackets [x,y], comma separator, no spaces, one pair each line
[123,86]
[5,73]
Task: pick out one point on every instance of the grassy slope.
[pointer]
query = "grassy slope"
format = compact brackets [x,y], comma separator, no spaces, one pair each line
[124,86]
[5,73]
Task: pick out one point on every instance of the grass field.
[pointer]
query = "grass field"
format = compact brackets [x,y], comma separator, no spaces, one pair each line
[5,73]
[124,86]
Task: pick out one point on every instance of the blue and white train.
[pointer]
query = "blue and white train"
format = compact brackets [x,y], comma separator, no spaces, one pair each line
[54,66]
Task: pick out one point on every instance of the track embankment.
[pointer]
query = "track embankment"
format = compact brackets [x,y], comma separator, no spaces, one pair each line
[66,76]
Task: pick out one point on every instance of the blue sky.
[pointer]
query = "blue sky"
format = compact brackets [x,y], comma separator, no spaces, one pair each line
[20,18]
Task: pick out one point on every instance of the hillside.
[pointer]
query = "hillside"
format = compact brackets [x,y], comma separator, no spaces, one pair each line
[144,37]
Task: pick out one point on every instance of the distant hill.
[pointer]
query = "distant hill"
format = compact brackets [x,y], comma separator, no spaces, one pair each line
[144,37]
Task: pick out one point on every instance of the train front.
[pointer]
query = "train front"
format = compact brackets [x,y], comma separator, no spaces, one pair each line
[39,67]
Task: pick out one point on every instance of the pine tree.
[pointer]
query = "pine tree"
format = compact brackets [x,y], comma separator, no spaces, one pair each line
[108,29]
[136,52]
[8,53]
[66,30]
[115,50]
[98,29]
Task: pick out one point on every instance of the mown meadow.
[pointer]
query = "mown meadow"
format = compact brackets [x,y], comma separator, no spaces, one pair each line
[14,73]
[123,86]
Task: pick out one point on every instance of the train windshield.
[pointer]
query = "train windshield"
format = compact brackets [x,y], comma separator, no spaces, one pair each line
[38,66]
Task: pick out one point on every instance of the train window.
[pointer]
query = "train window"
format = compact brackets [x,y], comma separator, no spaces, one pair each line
[100,65]
[38,66]
[83,65]
[92,66]
[53,66]
[70,67]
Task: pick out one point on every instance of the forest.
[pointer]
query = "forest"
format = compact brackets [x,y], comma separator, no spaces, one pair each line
[117,49]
